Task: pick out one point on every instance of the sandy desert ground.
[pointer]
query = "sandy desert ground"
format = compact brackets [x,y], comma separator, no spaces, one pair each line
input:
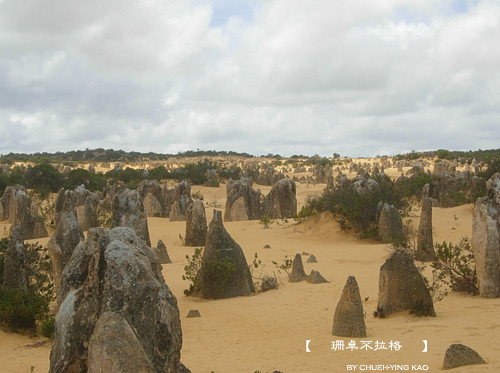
[268,331]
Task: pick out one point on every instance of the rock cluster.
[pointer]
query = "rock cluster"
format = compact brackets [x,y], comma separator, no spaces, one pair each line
[243,201]
[128,211]
[281,202]
[117,312]
[485,240]
[83,202]
[180,198]
[16,207]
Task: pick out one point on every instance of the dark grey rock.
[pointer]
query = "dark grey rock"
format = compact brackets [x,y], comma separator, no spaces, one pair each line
[196,224]
[316,278]
[128,211]
[281,202]
[402,288]
[224,270]
[349,318]
[458,355]
[117,314]
[297,273]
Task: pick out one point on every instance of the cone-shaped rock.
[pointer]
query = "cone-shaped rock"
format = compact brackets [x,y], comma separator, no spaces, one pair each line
[311,259]
[401,287]
[349,318]
[14,273]
[485,239]
[161,252]
[297,273]
[316,278]
[196,224]
[128,211]
[458,355]
[390,224]
[425,244]
[224,271]
[117,314]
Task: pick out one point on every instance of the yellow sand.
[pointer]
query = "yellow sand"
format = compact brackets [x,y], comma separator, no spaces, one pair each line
[268,331]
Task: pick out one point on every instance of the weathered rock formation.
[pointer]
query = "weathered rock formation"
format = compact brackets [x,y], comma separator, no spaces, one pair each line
[14,272]
[316,278]
[128,211]
[118,315]
[390,224]
[196,224]
[243,202]
[61,246]
[152,195]
[161,253]
[180,198]
[401,287]
[312,259]
[425,243]
[458,355]
[297,273]
[281,202]
[485,240]
[224,271]
[349,318]
[18,209]
[212,180]
[83,202]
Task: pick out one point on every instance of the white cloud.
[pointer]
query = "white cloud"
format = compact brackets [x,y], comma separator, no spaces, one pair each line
[287,76]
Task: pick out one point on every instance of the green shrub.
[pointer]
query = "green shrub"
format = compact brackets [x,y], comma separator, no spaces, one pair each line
[48,327]
[191,269]
[20,309]
[454,266]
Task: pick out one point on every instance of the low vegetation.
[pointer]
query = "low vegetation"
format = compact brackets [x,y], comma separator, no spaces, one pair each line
[20,309]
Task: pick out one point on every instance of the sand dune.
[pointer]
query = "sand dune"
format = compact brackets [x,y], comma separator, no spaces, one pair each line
[268,331]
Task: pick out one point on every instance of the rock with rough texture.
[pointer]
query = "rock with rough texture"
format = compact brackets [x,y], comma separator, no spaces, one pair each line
[390,224]
[181,199]
[458,355]
[349,318]
[14,271]
[224,271]
[128,211]
[212,179]
[161,253]
[152,196]
[61,246]
[281,202]
[20,210]
[243,202]
[297,273]
[82,201]
[316,278]
[402,288]
[196,224]
[425,243]
[485,240]
[117,312]
[193,313]
[311,259]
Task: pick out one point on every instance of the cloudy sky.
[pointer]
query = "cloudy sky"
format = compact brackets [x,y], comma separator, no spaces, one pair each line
[259,76]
